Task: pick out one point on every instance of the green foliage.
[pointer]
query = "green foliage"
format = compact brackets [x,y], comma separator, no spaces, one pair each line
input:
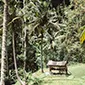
[34,80]
[56,31]
[30,79]
[61,37]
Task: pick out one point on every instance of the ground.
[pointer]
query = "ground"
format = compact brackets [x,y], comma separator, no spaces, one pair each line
[76,76]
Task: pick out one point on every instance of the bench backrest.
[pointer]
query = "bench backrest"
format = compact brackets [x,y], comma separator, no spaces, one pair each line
[56,63]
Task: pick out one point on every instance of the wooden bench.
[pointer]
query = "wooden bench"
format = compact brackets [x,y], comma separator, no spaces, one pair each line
[58,65]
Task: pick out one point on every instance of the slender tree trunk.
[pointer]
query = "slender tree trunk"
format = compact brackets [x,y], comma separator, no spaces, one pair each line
[3,56]
[15,63]
[14,55]
[42,53]
[25,51]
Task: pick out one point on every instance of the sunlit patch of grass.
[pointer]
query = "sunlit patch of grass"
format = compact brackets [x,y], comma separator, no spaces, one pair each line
[62,82]
[77,76]
[78,70]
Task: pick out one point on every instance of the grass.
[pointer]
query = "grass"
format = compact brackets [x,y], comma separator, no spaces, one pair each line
[77,76]
[78,70]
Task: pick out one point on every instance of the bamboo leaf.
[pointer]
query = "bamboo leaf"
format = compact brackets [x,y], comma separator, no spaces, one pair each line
[82,37]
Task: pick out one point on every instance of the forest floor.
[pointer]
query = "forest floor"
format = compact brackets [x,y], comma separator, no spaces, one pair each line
[76,76]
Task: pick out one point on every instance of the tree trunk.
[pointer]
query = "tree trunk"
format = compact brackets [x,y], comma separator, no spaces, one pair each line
[25,51]
[3,56]
[15,63]
[42,53]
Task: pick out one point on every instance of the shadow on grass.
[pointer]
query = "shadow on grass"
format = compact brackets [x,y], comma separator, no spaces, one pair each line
[67,74]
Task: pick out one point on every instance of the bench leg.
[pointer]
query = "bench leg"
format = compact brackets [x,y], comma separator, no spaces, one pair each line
[66,70]
[50,69]
[60,71]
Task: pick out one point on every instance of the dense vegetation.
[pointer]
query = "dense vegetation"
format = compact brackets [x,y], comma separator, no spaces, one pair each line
[39,30]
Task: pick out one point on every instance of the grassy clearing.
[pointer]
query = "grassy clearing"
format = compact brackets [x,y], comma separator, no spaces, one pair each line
[77,76]
[78,70]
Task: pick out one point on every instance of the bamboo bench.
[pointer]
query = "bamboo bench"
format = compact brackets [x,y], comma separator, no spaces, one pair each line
[58,65]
